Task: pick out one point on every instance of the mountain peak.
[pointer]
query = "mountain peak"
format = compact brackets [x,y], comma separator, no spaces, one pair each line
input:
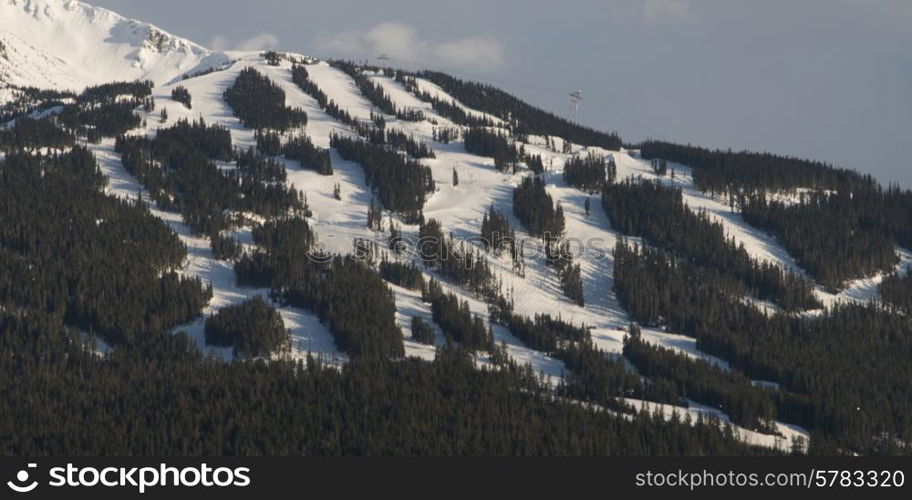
[67,44]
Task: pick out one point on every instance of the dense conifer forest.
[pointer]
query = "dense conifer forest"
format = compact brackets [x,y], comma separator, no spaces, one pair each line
[842,225]
[302,150]
[404,275]
[374,93]
[484,142]
[542,333]
[675,377]
[745,172]
[260,103]
[496,234]
[657,212]
[462,265]
[102,266]
[60,397]
[398,140]
[457,321]
[182,95]
[827,234]
[597,378]
[268,142]
[252,328]
[366,408]
[422,332]
[348,295]
[590,173]
[31,134]
[107,110]
[846,402]
[896,291]
[27,100]
[534,207]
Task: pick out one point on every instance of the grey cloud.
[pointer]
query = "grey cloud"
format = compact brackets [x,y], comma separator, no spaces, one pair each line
[402,42]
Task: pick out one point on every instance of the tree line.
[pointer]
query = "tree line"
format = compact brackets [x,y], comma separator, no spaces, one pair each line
[589,173]
[534,207]
[346,293]
[847,404]
[374,92]
[456,320]
[827,234]
[657,212]
[448,109]
[526,119]
[397,140]
[258,102]
[738,172]
[400,182]
[252,328]
[27,133]
[177,169]
[285,408]
[302,79]
[92,262]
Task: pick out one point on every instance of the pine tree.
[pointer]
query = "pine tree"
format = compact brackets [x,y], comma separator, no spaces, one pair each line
[375,216]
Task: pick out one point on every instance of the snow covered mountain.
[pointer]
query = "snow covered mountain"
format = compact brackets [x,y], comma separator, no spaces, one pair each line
[68,45]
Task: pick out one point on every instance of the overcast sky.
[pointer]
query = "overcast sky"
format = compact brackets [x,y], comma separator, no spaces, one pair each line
[826,79]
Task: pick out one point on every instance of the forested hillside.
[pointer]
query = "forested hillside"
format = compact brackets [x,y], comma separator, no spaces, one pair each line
[287,256]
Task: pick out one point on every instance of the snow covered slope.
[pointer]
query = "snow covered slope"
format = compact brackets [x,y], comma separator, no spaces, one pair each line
[21,63]
[66,44]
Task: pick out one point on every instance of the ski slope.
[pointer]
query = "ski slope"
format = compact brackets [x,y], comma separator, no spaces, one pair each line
[460,210]
[66,44]
[308,335]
